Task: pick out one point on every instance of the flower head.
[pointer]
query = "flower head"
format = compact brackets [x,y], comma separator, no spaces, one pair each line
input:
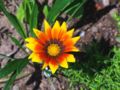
[51,47]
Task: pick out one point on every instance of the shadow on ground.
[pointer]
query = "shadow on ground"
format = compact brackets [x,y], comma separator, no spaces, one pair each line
[94,59]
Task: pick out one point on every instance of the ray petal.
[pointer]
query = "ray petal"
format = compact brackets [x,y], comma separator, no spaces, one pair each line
[70,32]
[30,46]
[64,27]
[64,63]
[71,49]
[75,49]
[70,58]
[31,55]
[75,39]
[30,40]
[36,58]
[56,30]
[53,66]
[44,65]
[35,47]
[46,26]
[37,32]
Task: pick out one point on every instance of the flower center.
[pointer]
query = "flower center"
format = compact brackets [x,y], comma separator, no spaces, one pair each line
[53,49]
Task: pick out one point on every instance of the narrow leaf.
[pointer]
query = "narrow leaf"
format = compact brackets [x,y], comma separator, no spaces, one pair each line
[56,9]
[9,68]
[22,64]
[33,19]
[45,10]
[21,12]
[19,68]
[12,66]
[16,42]
[10,82]
[13,19]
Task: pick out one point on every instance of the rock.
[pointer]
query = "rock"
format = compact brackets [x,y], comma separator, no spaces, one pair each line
[15,87]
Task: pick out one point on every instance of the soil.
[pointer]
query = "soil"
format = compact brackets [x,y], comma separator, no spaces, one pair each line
[96,24]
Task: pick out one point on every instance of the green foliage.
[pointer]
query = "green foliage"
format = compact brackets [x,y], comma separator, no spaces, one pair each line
[14,67]
[14,21]
[97,72]
[45,11]
[56,9]
[74,8]
[25,9]
[10,81]
[28,10]
[16,42]
[33,19]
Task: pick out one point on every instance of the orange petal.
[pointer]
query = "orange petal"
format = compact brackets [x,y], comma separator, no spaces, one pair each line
[35,47]
[68,43]
[53,66]
[71,49]
[56,30]
[47,29]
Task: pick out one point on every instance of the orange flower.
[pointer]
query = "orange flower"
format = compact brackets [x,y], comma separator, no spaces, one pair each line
[52,46]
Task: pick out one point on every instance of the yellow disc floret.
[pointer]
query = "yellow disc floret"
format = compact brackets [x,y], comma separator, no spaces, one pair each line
[53,49]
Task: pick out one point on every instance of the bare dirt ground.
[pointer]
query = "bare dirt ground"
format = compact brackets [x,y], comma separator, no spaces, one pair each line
[94,25]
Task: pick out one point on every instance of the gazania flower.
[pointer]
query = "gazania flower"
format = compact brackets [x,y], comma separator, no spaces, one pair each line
[51,47]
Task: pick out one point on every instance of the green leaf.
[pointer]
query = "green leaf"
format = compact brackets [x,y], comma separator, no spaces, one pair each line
[75,9]
[33,19]
[45,10]
[16,42]
[10,82]
[9,68]
[12,66]
[21,12]
[13,19]
[20,65]
[56,9]
[29,4]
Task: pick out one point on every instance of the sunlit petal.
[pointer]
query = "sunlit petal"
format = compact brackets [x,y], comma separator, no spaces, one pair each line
[53,66]
[64,27]
[70,33]
[70,58]
[64,63]
[56,30]
[75,39]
